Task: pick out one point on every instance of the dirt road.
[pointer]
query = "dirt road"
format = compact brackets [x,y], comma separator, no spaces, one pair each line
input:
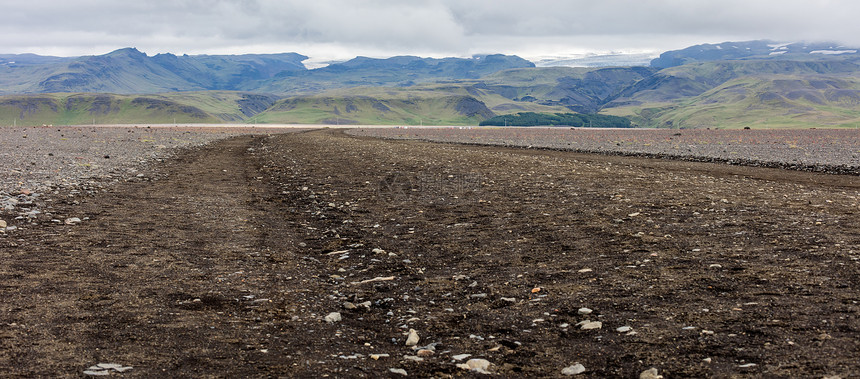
[231,260]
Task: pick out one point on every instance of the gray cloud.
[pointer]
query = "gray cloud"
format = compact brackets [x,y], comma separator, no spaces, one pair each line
[435,27]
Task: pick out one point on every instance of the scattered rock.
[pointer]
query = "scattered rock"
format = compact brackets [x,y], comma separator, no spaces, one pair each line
[398,371]
[376,279]
[333,317]
[72,221]
[576,369]
[591,325]
[425,353]
[460,357]
[747,365]
[376,357]
[477,364]
[584,311]
[2,224]
[650,373]
[623,329]
[104,369]
[412,338]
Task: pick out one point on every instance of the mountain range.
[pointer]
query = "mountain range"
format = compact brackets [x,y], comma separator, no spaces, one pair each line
[731,84]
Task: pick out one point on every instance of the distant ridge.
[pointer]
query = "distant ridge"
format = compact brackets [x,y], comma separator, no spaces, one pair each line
[761,49]
[129,71]
[760,84]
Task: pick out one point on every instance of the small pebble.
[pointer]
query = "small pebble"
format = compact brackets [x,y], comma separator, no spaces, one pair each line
[425,353]
[476,364]
[650,373]
[591,325]
[333,317]
[412,338]
[576,369]
[623,329]
[584,311]
[398,371]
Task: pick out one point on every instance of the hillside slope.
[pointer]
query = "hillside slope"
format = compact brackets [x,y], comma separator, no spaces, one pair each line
[77,109]
[779,101]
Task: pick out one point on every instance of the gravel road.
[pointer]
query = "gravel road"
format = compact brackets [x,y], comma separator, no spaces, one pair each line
[70,160]
[321,254]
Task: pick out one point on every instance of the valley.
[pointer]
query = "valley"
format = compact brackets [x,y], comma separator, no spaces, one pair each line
[756,84]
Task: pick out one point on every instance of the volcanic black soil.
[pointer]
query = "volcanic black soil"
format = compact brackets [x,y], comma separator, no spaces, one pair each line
[230,260]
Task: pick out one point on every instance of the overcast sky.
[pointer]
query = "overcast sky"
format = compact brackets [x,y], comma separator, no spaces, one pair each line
[340,29]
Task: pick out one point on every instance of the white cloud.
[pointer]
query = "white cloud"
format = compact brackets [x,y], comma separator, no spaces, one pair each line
[345,28]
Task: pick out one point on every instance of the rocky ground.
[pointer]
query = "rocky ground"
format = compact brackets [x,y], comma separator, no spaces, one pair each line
[38,162]
[320,254]
[817,150]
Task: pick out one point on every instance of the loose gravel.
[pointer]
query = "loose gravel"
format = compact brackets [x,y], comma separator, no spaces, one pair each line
[35,161]
[834,151]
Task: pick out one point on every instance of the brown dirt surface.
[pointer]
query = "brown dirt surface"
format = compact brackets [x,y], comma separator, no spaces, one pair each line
[226,260]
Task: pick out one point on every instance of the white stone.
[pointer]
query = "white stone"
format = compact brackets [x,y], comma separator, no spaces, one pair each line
[584,311]
[460,357]
[623,329]
[650,373]
[413,358]
[333,317]
[2,224]
[398,371]
[591,325]
[412,338]
[573,370]
[477,364]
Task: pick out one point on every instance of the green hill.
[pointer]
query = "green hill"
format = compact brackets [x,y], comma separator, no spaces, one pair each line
[744,93]
[780,101]
[76,109]
[451,103]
